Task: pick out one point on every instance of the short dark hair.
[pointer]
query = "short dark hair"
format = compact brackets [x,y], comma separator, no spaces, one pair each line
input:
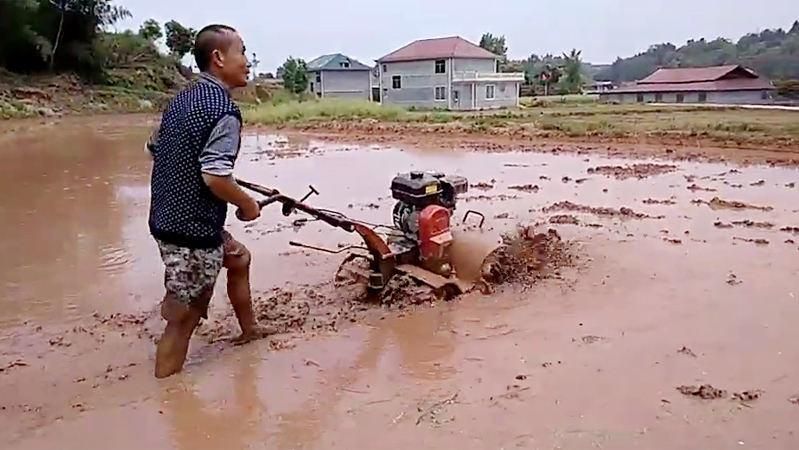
[209,39]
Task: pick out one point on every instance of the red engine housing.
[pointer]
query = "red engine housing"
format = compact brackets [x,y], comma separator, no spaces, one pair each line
[434,232]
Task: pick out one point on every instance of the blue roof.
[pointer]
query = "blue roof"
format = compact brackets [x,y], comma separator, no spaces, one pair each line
[336,61]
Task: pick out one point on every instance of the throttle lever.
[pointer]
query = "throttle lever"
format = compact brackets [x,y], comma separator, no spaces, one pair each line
[312,192]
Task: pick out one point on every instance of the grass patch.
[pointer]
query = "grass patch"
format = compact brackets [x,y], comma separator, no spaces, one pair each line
[317,110]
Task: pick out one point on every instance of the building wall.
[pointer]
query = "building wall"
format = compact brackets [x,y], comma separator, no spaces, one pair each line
[465,93]
[353,84]
[312,83]
[727,97]
[506,94]
[475,65]
[419,81]
[740,97]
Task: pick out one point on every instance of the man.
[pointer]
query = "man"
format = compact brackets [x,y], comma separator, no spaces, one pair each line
[194,151]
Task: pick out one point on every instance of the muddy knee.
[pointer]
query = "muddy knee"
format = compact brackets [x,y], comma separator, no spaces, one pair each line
[174,311]
[238,261]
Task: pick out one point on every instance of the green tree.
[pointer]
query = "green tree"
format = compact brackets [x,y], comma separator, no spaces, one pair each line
[295,75]
[101,12]
[495,45]
[151,30]
[572,69]
[771,52]
[550,74]
[179,39]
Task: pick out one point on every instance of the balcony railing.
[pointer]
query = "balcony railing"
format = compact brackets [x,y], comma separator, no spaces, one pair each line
[487,76]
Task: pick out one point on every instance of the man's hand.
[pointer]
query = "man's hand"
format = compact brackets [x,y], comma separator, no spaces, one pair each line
[249,211]
[226,188]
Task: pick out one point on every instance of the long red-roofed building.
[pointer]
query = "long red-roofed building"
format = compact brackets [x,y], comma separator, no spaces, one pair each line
[731,84]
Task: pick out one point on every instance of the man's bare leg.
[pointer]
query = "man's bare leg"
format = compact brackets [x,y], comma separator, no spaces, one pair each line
[237,262]
[173,346]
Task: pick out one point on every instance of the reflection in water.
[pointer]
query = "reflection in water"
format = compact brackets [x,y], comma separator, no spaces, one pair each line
[63,223]
[195,424]
[423,343]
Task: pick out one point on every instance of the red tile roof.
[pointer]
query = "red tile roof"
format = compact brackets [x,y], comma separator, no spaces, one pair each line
[691,75]
[719,78]
[448,47]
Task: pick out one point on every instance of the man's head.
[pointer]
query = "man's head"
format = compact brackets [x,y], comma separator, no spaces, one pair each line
[219,50]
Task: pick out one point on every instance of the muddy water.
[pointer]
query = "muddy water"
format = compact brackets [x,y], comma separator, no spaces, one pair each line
[589,359]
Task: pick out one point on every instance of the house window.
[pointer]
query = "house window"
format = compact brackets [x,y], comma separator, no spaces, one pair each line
[345,65]
[680,98]
[658,97]
[639,98]
[441,93]
[385,68]
[396,82]
[318,77]
[765,95]
[490,92]
[441,66]
[702,97]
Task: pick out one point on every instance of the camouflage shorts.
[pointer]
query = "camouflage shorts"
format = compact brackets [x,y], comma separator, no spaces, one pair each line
[190,274]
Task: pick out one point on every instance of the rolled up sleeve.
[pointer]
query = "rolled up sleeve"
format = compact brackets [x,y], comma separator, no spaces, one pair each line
[220,152]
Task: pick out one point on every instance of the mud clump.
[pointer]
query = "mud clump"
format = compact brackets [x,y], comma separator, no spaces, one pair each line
[499,197]
[639,171]
[482,186]
[753,241]
[403,291]
[752,224]
[564,219]
[706,392]
[652,201]
[527,256]
[794,230]
[718,203]
[623,212]
[526,188]
[720,224]
[695,187]
[733,280]
[748,396]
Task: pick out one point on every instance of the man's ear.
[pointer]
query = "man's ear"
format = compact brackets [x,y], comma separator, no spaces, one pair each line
[217,57]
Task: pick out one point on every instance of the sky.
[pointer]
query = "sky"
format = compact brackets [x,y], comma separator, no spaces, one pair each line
[368,29]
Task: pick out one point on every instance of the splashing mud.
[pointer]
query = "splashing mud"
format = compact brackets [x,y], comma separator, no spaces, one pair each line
[527,256]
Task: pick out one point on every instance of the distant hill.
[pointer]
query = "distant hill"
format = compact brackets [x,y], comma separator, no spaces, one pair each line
[772,53]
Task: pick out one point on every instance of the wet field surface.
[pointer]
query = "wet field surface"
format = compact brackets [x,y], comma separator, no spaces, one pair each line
[672,326]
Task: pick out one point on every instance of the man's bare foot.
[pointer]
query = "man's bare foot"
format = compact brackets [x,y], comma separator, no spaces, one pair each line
[255,333]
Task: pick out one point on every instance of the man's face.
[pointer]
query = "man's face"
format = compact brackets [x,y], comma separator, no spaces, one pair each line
[234,69]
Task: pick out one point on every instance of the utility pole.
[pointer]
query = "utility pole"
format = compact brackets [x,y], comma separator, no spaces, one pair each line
[254,63]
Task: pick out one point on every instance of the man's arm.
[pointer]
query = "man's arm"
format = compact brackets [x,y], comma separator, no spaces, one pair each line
[217,160]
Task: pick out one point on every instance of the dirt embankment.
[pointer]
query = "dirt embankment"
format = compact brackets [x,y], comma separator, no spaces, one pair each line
[679,144]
